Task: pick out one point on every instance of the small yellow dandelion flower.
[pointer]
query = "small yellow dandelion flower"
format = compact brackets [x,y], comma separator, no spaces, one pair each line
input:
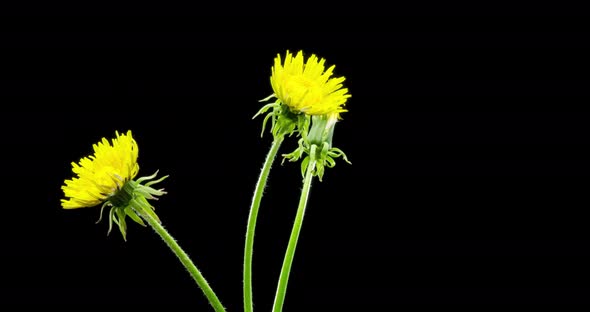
[103,174]
[107,177]
[307,87]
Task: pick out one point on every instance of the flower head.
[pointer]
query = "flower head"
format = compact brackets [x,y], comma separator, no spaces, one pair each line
[103,174]
[107,178]
[307,87]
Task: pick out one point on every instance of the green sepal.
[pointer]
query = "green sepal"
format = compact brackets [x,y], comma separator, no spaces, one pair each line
[304,164]
[120,221]
[271,115]
[146,178]
[268,98]
[131,213]
[335,152]
[283,121]
[132,201]
[106,203]
[111,220]
[297,153]
[324,156]
[143,206]
[319,170]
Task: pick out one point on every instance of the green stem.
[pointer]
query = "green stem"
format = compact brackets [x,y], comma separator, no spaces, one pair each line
[248,249]
[186,261]
[286,269]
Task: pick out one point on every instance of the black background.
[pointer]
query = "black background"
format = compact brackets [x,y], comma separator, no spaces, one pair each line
[468,135]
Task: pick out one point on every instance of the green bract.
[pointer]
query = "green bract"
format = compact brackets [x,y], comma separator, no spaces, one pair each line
[132,201]
[317,145]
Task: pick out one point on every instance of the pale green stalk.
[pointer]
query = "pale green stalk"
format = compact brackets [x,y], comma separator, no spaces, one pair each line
[288,261]
[186,261]
[248,249]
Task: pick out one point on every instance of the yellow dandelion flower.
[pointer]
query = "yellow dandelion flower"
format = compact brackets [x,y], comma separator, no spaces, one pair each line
[103,174]
[107,177]
[307,87]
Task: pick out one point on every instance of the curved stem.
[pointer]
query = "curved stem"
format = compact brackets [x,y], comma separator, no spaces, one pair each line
[286,269]
[186,261]
[248,249]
